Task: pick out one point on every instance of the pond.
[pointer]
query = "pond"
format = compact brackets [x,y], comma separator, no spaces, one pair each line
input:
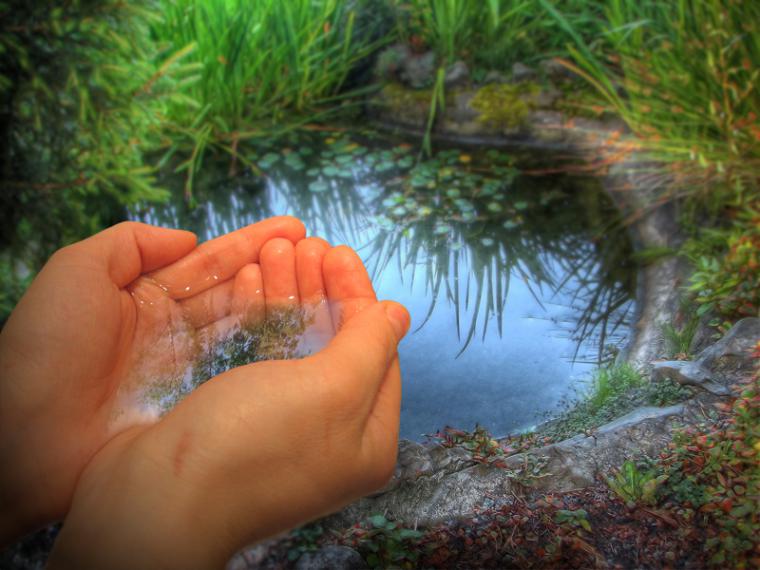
[519,281]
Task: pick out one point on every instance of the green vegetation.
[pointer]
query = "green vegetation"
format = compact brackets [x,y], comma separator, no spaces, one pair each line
[261,65]
[713,475]
[636,485]
[726,280]
[493,34]
[679,339]
[81,97]
[613,392]
[689,76]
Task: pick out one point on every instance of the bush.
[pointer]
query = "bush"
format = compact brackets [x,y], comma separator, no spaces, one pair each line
[82,94]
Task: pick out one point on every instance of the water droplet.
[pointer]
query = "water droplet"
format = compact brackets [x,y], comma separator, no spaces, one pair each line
[187,288]
[291,297]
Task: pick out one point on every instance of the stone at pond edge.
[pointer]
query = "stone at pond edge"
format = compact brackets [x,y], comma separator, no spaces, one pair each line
[521,72]
[733,353]
[434,484]
[331,557]
[419,70]
[457,74]
[689,374]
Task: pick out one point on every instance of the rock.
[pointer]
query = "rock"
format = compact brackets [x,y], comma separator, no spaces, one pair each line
[331,557]
[419,70]
[455,486]
[733,353]
[547,97]
[555,71]
[689,374]
[495,77]
[521,72]
[457,74]
[391,61]
[576,462]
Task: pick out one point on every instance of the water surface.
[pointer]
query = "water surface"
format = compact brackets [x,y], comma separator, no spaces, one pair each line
[518,283]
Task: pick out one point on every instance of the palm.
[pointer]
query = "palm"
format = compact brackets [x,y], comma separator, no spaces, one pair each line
[70,348]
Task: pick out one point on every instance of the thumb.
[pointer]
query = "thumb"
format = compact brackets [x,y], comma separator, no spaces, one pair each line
[363,350]
[130,249]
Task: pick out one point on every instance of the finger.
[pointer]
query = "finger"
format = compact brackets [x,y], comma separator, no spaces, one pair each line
[310,253]
[362,352]
[278,269]
[319,330]
[208,306]
[349,289]
[248,296]
[220,259]
[130,249]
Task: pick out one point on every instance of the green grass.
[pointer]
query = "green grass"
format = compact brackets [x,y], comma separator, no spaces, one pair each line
[684,77]
[260,65]
[613,392]
[613,381]
[491,34]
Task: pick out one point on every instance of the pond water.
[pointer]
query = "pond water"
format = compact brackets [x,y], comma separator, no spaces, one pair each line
[518,282]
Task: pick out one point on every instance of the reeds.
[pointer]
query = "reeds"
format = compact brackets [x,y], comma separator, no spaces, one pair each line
[684,76]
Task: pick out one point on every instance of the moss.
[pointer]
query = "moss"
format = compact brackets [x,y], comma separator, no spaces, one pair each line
[399,97]
[505,105]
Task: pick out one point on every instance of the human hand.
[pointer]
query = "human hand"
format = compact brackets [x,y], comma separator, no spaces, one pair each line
[69,349]
[260,448]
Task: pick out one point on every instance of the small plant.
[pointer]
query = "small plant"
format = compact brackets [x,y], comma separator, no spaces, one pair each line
[305,539]
[384,543]
[577,518]
[634,485]
[479,442]
[612,381]
[666,392]
[678,340]
[726,280]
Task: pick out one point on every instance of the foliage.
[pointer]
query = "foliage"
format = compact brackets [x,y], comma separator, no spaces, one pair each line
[259,64]
[617,393]
[82,94]
[384,543]
[726,280]
[636,485]
[689,78]
[715,475]
[678,340]
[492,34]
[305,539]
[612,381]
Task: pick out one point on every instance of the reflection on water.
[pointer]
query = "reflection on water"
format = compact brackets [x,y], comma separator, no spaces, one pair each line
[517,285]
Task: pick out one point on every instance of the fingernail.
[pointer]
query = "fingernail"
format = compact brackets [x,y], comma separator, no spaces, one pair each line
[399,319]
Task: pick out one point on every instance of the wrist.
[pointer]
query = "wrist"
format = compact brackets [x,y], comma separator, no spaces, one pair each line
[129,512]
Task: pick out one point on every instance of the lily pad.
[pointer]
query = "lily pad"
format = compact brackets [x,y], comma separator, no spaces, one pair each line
[268,160]
[494,207]
[319,186]
[521,205]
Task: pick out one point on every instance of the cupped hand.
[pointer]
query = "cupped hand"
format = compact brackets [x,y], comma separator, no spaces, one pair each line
[70,348]
[259,448]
